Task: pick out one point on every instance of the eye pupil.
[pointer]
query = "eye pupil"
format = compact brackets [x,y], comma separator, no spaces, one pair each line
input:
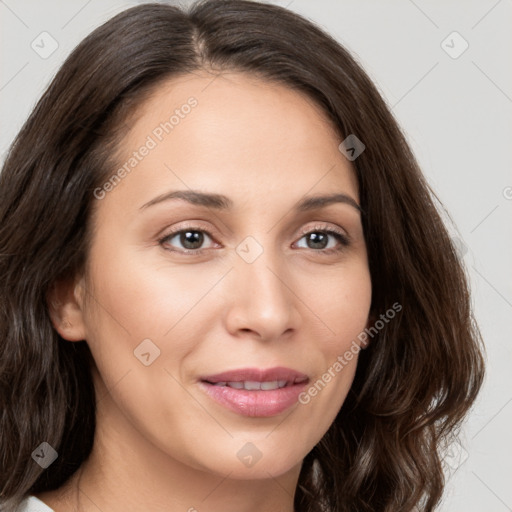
[318,238]
[195,238]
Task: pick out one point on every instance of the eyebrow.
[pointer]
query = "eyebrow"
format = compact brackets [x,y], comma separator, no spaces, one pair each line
[222,202]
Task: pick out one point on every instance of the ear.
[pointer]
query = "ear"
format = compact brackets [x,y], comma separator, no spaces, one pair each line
[65,305]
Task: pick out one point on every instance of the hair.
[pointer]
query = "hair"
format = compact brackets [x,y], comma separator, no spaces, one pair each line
[418,378]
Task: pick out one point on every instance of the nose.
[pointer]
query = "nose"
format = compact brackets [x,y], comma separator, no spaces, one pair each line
[262,299]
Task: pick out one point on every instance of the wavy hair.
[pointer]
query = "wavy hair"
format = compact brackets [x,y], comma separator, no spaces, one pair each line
[420,375]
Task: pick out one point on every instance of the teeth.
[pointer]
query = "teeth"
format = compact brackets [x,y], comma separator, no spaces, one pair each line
[269,385]
[251,385]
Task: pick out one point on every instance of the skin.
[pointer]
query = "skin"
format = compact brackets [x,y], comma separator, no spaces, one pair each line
[161,443]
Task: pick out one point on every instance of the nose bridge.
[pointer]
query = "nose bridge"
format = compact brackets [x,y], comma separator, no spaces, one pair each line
[263,297]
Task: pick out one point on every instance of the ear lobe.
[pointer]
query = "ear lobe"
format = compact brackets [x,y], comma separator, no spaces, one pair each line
[64,300]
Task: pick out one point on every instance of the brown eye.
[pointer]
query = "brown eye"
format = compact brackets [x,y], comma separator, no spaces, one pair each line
[191,239]
[318,239]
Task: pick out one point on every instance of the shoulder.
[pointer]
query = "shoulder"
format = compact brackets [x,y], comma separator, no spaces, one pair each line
[33,504]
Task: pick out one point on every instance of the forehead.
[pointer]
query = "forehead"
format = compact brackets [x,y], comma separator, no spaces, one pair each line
[233,134]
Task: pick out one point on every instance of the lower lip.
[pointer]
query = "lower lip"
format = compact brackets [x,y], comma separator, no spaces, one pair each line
[261,403]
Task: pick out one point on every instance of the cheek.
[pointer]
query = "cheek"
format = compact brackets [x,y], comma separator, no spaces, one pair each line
[342,308]
[136,298]
[341,302]
[139,308]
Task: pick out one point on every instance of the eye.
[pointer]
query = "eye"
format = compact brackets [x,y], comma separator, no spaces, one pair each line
[319,239]
[191,239]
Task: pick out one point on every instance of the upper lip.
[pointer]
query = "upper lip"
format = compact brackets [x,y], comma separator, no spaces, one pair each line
[257,375]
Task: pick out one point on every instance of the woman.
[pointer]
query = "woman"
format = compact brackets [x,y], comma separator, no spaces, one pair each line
[225,283]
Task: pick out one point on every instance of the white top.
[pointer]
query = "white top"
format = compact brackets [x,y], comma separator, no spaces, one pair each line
[33,504]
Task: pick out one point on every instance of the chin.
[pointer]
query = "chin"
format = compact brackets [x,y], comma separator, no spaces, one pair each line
[249,463]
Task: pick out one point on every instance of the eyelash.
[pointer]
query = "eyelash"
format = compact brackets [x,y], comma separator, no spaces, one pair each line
[341,237]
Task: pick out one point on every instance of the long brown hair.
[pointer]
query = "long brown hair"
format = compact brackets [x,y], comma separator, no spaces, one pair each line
[413,385]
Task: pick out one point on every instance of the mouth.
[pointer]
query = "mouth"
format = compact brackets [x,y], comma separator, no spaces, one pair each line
[255,392]
[252,385]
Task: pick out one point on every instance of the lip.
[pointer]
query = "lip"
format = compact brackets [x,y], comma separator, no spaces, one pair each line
[255,403]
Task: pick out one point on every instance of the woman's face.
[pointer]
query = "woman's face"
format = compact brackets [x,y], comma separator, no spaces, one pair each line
[242,289]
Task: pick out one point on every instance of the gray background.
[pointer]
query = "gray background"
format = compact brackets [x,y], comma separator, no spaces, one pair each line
[455,110]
